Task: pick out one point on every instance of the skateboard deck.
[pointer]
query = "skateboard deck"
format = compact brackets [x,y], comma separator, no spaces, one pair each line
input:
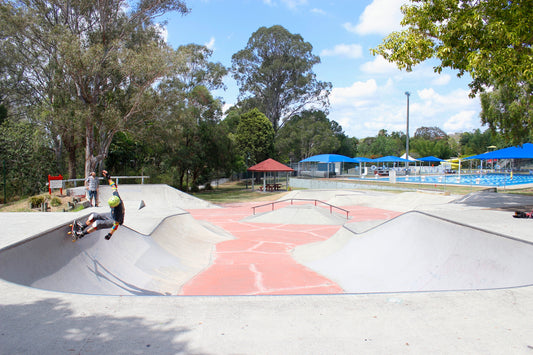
[520,214]
[74,228]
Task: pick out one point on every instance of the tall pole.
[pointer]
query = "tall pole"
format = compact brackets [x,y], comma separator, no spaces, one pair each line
[5,173]
[407,93]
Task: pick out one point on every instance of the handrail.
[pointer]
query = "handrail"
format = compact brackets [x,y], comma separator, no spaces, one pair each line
[303,199]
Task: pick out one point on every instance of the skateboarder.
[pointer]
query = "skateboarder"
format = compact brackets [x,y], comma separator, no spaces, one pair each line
[112,219]
[91,184]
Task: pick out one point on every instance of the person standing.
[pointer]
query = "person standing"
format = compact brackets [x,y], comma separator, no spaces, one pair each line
[91,184]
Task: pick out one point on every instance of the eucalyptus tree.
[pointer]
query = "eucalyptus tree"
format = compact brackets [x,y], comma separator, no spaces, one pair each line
[489,39]
[100,57]
[185,125]
[275,71]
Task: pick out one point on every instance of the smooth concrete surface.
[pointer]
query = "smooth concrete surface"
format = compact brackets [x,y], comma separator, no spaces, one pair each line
[421,252]
[35,321]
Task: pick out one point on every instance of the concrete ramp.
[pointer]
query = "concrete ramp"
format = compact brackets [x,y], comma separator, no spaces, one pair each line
[129,264]
[156,195]
[419,252]
[299,214]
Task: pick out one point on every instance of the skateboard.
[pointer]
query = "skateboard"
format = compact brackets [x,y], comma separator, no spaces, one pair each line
[520,214]
[75,227]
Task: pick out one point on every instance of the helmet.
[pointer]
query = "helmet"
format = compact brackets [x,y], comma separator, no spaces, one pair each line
[113,201]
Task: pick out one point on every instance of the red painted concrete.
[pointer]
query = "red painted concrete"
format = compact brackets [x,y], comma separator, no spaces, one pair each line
[258,261]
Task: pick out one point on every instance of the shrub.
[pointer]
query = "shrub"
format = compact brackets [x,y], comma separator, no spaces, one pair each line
[56,201]
[36,201]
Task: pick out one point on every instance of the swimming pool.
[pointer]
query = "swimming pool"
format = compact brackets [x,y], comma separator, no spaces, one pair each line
[469,179]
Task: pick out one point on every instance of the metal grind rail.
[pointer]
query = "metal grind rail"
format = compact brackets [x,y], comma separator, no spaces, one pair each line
[331,207]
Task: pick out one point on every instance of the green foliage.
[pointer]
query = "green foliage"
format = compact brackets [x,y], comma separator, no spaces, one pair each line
[36,201]
[489,39]
[422,147]
[509,110]
[275,72]
[476,142]
[311,133]
[27,158]
[55,201]
[86,65]
[255,137]
[382,145]
[430,133]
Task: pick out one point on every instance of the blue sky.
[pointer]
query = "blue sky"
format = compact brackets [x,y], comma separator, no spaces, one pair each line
[368,93]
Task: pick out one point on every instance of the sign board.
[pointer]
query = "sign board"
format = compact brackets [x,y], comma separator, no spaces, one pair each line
[55,182]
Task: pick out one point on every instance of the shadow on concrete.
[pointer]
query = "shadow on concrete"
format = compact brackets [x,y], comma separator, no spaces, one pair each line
[494,200]
[61,330]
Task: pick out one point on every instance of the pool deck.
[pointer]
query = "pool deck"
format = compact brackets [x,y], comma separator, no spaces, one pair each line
[235,313]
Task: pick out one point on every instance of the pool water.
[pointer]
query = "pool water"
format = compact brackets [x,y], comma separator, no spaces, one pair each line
[467,179]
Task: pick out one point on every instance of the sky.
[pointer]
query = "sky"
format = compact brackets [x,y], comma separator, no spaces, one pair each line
[368,93]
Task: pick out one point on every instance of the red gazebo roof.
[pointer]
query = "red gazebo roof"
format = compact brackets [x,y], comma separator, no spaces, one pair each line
[270,165]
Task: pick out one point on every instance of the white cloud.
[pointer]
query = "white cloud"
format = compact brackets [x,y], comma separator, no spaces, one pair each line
[461,122]
[352,95]
[380,17]
[292,4]
[344,50]
[379,66]
[366,107]
[442,79]
[211,43]
[318,11]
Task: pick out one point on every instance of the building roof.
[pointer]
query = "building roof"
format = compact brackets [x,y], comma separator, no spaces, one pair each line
[270,165]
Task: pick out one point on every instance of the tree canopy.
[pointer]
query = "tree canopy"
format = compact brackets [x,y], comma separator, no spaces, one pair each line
[87,61]
[275,71]
[489,39]
[255,137]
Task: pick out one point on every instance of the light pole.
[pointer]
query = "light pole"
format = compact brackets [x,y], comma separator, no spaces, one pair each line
[407,93]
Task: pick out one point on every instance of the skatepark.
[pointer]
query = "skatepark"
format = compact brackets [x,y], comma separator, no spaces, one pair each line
[410,272]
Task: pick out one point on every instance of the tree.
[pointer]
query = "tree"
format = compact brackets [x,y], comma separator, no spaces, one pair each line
[509,111]
[476,142]
[430,133]
[490,39]
[275,71]
[306,134]
[255,137]
[423,147]
[27,156]
[101,56]
[382,145]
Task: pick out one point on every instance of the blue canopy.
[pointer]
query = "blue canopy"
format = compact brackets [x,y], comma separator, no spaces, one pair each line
[519,152]
[328,158]
[390,158]
[363,160]
[431,158]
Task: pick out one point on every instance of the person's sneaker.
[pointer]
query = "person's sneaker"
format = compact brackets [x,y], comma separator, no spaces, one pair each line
[107,237]
[79,234]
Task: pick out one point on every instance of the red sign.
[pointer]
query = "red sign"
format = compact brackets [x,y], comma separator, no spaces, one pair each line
[55,182]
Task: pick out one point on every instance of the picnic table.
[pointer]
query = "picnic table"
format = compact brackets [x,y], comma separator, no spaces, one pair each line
[271,187]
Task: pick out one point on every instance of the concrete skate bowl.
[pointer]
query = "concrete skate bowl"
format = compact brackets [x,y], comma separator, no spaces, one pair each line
[129,264]
[299,214]
[419,252]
